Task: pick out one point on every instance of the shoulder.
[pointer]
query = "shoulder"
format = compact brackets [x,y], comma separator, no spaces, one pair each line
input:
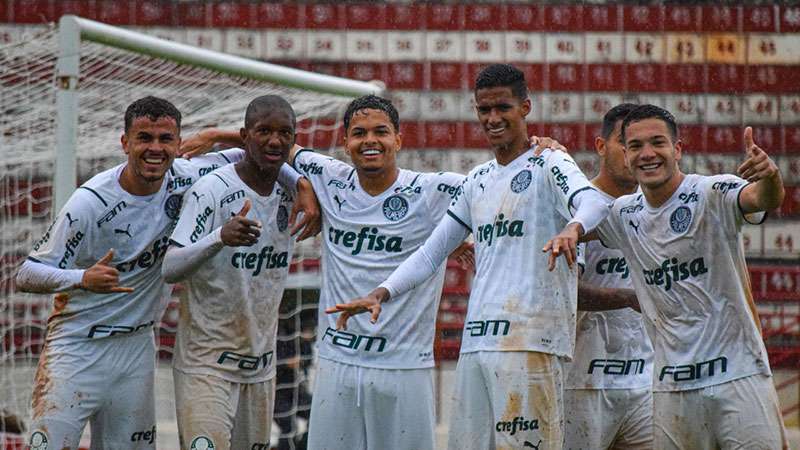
[628,204]
[721,184]
[311,163]
[97,193]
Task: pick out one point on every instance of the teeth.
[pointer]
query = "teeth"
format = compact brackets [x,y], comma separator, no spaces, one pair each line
[370,152]
[649,166]
[153,160]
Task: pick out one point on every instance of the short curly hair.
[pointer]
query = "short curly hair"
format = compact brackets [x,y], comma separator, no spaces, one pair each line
[372,102]
[153,108]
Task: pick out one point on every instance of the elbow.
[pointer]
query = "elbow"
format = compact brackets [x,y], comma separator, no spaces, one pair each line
[169,276]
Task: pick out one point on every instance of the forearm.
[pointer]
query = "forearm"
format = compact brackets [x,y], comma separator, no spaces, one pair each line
[423,263]
[40,278]
[179,262]
[767,194]
[590,210]
[594,298]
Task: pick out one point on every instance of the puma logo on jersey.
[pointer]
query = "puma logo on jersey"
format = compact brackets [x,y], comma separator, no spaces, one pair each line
[200,224]
[71,220]
[127,231]
[528,444]
[339,202]
[198,196]
[147,258]
[617,366]
[610,266]
[672,271]
[689,372]
[263,259]
[109,216]
[69,249]
[367,238]
[633,225]
[501,227]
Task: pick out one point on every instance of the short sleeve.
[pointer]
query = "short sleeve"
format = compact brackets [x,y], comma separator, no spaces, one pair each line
[442,189]
[722,195]
[197,214]
[459,205]
[566,180]
[65,242]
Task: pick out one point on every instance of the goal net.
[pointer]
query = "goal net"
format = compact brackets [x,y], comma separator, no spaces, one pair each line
[53,101]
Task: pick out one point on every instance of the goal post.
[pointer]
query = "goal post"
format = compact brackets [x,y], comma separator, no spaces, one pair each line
[73,28]
[63,93]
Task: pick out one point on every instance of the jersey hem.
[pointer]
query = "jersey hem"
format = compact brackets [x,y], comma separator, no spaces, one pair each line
[704,385]
[377,366]
[212,373]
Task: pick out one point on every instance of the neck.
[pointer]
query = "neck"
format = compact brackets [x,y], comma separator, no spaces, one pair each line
[138,186]
[261,181]
[375,183]
[504,154]
[605,183]
[657,196]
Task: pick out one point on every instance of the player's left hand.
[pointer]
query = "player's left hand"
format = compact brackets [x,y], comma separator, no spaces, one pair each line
[566,243]
[371,304]
[543,142]
[311,219]
[758,164]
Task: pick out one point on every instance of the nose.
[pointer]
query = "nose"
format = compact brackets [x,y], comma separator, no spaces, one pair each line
[494,116]
[647,152]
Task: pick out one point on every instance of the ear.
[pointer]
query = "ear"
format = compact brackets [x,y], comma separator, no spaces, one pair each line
[398,140]
[124,140]
[678,150]
[526,107]
[600,146]
[243,135]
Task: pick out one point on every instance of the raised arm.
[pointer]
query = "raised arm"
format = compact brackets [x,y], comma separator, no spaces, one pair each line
[765,190]
[420,266]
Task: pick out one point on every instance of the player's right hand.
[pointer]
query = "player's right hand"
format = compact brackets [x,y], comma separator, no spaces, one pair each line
[371,303]
[103,278]
[241,231]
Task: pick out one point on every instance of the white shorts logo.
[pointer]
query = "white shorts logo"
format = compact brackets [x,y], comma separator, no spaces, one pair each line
[38,441]
[202,443]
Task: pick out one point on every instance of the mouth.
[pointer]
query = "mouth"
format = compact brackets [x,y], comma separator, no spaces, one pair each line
[495,132]
[370,152]
[649,167]
[273,155]
[155,159]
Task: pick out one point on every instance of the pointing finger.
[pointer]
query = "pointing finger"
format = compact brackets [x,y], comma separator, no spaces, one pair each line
[121,289]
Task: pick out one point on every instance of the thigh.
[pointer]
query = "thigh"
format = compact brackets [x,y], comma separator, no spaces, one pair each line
[205,408]
[471,422]
[747,415]
[589,421]
[635,431]
[336,421]
[680,421]
[126,419]
[253,421]
[398,408]
[527,395]
[66,393]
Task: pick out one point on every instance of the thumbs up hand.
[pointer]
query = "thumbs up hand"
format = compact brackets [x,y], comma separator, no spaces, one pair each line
[758,164]
[241,231]
[103,278]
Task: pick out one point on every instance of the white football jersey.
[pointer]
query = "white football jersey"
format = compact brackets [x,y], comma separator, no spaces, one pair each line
[687,263]
[516,304]
[365,239]
[229,317]
[612,349]
[101,215]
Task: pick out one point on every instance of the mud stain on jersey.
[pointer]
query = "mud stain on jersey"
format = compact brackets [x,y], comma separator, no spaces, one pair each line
[544,398]
[513,406]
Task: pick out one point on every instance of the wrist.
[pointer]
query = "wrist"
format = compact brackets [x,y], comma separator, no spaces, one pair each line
[382,294]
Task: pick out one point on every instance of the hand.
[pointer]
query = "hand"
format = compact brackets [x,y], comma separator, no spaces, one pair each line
[103,278]
[546,142]
[198,144]
[758,164]
[241,231]
[465,256]
[633,302]
[371,303]
[565,242]
[311,219]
